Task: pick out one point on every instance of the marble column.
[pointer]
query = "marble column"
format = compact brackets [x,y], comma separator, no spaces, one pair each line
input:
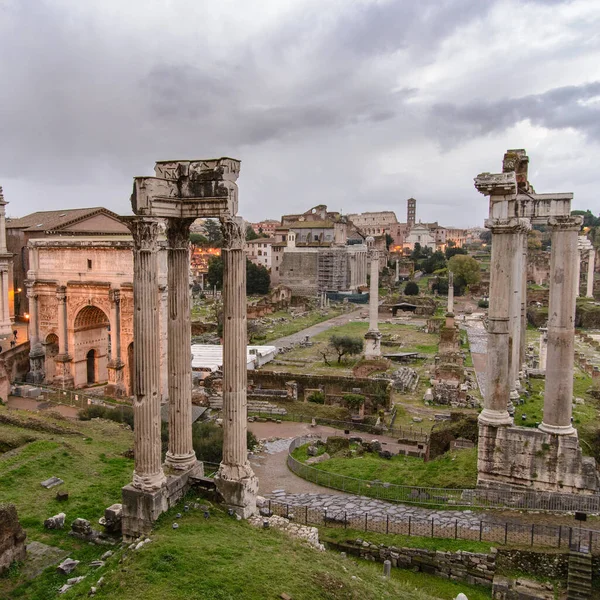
[504,254]
[577,272]
[37,356]
[235,479]
[373,335]
[523,342]
[116,366]
[514,336]
[64,375]
[543,348]
[450,292]
[5,259]
[558,394]
[590,273]
[180,454]
[148,474]
[397,271]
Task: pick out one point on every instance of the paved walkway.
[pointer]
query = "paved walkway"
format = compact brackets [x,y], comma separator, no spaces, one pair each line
[296,338]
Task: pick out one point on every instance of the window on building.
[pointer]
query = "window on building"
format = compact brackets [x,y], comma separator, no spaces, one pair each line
[277,268]
[89,263]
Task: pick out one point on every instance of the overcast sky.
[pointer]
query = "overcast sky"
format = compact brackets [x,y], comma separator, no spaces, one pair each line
[357,104]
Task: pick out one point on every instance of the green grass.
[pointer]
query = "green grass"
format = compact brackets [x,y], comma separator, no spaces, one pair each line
[296,324]
[223,559]
[451,470]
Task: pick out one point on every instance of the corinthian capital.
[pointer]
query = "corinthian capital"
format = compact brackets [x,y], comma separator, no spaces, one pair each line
[178,232]
[234,235]
[566,223]
[145,231]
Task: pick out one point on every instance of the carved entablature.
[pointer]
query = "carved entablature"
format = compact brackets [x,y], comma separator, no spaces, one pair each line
[234,234]
[188,189]
[513,225]
[496,184]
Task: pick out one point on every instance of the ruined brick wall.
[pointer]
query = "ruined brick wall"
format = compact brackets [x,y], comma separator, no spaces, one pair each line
[299,271]
[12,537]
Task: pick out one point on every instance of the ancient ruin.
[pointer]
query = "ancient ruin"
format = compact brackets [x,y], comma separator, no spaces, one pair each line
[5,273]
[549,457]
[180,192]
[587,253]
[373,335]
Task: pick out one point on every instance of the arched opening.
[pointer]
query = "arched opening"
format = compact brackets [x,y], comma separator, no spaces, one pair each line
[90,333]
[51,351]
[91,366]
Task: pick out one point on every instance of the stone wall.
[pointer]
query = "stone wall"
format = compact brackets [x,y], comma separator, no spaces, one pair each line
[528,457]
[331,385]
[12,537]
[470,567]
[16,362]
[538,564]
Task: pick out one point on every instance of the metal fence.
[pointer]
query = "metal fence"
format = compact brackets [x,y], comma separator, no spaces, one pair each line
[70,397]
[502,533]
[414,434]
[443,497]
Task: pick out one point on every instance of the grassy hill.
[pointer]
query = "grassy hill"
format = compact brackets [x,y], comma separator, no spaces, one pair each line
[219,558]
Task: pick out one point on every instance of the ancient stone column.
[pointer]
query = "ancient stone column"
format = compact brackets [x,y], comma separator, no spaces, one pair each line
[180,454]
[116,366]
[590,273]
[558,394]
[36,352]
[148,474]
[397,271]
[64,376]
[504,253]
[235,479]
[5,259]
[543,348]
[373,335]
[578,272]
[514,336]
[523,343]
[450,292]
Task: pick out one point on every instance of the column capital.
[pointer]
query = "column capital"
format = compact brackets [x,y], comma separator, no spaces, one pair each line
[178,232]
[507,226]
[234,235]
[145,232]
[61,293]
[496,184]
[566,223]
[30,289]
[114,295]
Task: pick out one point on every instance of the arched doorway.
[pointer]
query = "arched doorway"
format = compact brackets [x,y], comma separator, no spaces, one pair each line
[91,366]
[90,334]
[51,350]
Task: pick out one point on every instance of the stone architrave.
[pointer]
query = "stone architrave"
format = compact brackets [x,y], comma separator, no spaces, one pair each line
[235,479]
[180,454]
[63,360]
[373,335]
[558,394]
[116,366]
[148,474]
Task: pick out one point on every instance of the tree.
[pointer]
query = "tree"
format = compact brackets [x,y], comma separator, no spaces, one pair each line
[346,345]
[389,240]
[215,272]
[534,240]
[197,239]
[589,219]
[486,236]
[453,251]
[466,270]
[258,279]
[435,262]
[213,232]
[411,289]
[251,234]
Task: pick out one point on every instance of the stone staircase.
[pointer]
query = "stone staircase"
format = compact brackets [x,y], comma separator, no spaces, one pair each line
[254,406]
[579,586]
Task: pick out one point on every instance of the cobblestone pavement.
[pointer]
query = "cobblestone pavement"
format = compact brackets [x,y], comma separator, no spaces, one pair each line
[357,506]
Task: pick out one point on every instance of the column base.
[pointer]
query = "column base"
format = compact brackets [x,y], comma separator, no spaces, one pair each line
[493,417]
[180,462]
[141,508]
[558,429]
[116,386]
[238,486]
[372,344]
[149,483]
[36,373]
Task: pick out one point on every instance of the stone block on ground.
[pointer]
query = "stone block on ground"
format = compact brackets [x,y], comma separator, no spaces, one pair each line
[67,566]
[52,482]
[317,459]
[336,443]
[55,522]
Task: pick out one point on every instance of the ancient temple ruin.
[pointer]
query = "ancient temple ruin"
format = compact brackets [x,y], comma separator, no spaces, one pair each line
[180,192]
[547,457]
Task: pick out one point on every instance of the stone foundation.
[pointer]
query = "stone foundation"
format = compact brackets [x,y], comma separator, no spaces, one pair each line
[238,489]
[529,458]
[141,509]
[12,537]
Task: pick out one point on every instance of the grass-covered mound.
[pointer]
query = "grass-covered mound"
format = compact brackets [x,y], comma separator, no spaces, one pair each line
[452,470]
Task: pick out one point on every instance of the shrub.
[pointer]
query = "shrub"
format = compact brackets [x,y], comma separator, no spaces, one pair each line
[317,398]
[346,345]
[354,401]
[120,414]
[411,289]
[483,304]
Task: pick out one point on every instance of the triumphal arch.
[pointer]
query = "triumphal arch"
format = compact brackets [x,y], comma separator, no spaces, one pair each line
[548,457]
[180,192]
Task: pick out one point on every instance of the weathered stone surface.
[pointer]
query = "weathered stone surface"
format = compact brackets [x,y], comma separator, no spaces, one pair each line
[12,537]
[111,521]
[40,557]
[317,459]
[67,566]
[55,522]
[52,482]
